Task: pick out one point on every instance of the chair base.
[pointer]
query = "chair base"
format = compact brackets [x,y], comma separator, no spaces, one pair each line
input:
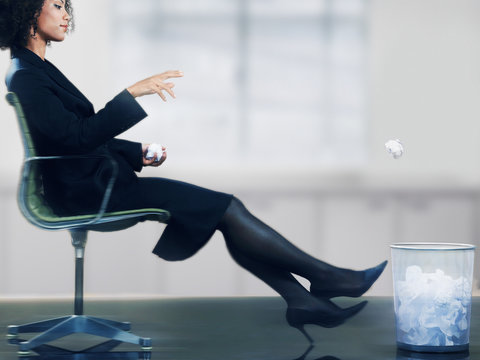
[53,329]
[101,351]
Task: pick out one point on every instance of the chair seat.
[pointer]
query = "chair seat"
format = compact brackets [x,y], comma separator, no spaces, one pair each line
[112,216]
[119,220]
[110,221]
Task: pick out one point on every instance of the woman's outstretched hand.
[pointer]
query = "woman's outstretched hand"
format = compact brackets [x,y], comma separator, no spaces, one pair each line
[155,85]
[153,161]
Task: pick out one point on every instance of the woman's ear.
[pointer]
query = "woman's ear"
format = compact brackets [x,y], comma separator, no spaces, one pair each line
[33,33]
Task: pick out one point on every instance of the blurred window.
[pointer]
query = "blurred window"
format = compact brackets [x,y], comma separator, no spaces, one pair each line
[267,82]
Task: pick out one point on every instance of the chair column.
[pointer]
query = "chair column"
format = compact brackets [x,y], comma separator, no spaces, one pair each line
[79,240]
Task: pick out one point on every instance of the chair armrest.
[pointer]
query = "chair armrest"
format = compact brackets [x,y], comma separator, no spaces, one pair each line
[111,181]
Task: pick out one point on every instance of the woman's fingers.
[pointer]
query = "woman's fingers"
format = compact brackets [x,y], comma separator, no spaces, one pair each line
[168,89]
[159,92]
[161,86]
[147,162]
[161,160]
[156,84]
[171,74]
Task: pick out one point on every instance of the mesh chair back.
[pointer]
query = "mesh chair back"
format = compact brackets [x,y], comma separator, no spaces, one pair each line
[28,146]
[31,197]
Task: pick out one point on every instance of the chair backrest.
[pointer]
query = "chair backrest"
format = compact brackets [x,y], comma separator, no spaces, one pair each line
[28,145]
[31,199]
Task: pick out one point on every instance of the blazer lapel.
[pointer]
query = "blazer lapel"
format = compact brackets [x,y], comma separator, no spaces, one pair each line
[61,80]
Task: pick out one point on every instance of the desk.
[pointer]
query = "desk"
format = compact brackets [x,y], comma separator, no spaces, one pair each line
[252,328]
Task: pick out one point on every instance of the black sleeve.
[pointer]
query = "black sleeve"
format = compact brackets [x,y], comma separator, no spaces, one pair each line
[65,129]
[129,150]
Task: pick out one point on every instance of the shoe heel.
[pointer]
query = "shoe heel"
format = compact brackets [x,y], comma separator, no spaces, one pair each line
[298,324]
[301,328]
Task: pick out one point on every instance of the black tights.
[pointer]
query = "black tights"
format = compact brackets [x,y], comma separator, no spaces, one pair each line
[269,256]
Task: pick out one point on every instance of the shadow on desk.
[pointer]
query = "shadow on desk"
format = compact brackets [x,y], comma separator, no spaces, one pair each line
[411,355]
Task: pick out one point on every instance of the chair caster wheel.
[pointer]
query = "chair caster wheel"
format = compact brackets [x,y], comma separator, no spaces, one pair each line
[11,336]
[23,353]
[146,343]
[12,330]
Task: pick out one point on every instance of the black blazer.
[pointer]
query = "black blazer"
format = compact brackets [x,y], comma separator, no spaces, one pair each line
[63,122]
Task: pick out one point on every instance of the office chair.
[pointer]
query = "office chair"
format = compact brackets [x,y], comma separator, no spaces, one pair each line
[34,207]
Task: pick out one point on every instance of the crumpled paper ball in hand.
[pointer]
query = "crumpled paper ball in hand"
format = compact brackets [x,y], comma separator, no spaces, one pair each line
[152,149]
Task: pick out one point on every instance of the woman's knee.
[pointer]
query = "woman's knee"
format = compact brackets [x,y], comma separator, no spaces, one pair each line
[234,211]
[236,205]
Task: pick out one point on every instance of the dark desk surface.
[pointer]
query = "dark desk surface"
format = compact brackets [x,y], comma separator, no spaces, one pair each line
[230,328]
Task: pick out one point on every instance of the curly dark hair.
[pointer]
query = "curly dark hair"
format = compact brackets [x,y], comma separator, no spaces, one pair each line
[16,19]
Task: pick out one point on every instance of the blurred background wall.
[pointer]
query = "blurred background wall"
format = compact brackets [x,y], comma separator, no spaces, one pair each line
[287,105]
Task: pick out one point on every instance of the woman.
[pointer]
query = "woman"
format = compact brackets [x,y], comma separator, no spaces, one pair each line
[63,122]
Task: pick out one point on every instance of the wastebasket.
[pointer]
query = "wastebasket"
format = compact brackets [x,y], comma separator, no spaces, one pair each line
[432,295]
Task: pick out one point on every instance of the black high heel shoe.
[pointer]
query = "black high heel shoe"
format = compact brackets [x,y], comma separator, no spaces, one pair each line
[336,316]
[351,290]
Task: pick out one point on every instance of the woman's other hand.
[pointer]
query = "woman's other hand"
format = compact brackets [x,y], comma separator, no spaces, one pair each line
[153,161]
[155,85]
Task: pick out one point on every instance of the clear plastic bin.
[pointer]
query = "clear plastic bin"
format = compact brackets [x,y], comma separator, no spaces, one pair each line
[432,295]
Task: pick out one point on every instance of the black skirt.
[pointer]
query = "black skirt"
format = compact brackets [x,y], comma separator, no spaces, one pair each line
[194,213]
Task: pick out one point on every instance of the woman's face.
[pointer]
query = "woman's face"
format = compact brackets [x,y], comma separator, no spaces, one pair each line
[52,24]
